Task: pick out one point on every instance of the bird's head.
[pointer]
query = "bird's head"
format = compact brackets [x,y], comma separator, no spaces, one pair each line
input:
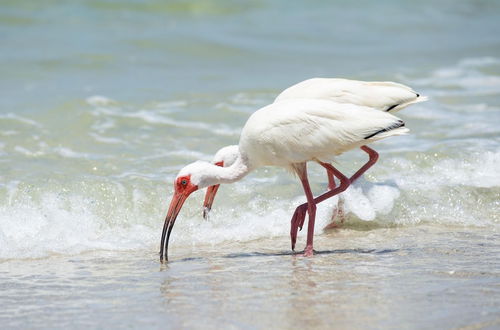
[190,178]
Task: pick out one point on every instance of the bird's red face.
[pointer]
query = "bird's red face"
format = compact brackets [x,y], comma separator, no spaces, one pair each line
[210,195]
[183,187]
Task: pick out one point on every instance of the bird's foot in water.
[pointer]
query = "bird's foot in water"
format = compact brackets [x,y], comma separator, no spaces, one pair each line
[308,251]
[297,222]
[335,224]
[339,215]
[206,213]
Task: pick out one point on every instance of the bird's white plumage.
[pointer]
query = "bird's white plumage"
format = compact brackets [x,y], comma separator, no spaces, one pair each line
[375,95]
[296,131]
[380,95]
[227,155]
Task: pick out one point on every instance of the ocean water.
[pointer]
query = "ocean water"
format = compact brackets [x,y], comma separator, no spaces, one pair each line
[102,102]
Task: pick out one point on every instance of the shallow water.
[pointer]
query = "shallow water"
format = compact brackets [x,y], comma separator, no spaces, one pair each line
[102,102]
[421,277]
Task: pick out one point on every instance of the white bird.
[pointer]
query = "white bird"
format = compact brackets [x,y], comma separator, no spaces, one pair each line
[289,134]
[383,96]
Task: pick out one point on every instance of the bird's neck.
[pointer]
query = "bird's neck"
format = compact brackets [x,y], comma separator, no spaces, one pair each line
[236,171]
[229,174]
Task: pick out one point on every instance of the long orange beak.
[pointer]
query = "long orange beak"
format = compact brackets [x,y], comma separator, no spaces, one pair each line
[209,199]
[175,207]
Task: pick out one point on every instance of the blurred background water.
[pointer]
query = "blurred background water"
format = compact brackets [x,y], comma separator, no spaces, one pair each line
[102,102]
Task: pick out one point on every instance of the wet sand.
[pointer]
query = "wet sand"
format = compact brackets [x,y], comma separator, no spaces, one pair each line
[397,278]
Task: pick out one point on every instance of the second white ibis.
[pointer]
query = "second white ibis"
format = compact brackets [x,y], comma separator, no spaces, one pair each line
[289,134]
[384,96]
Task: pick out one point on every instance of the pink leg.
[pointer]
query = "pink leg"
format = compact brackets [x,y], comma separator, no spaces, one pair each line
[339,211]
[301,170]
[331,185]
[299,215]
[331,180]
[373,159]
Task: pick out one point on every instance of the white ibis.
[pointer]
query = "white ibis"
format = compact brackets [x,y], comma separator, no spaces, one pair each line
[289,134]
[381,95]
[384,96]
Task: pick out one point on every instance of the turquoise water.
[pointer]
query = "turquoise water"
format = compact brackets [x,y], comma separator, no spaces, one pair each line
[102,102]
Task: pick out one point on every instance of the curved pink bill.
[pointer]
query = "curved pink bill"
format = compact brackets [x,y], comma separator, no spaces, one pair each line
[174,209]
[209,199]
[210,195]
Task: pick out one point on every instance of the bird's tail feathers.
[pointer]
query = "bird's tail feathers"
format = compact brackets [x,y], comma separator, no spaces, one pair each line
[397,128]
[393,132]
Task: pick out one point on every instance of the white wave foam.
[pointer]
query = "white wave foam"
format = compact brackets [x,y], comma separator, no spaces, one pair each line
[63,226]
[103,125]
[121,218]
[69,153]
[69,222]
[105,139]
[156,118]
[171,106]
[44,149]
[363,200]
[366,200]
[466,77]
[481,170]
[26,152]
[20,119]
[9,132]
[477,169]
[100,101]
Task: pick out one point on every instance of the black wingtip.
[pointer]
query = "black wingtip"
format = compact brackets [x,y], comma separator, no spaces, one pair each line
[391,107]
[397,124]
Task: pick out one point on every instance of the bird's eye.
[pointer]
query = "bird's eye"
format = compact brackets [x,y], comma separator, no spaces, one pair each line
[184,182]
